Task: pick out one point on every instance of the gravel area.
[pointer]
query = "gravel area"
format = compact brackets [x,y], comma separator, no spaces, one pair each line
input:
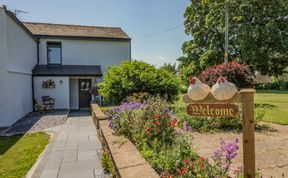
[35,122]
[271,149]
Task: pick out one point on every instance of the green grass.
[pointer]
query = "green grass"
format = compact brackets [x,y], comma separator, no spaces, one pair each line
[19,153]
[278,113]
[276,99]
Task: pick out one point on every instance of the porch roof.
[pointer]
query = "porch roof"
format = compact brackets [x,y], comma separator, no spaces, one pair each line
[67,70]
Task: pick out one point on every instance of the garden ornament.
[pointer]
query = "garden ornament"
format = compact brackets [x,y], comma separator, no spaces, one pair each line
[197,90]
[223,90]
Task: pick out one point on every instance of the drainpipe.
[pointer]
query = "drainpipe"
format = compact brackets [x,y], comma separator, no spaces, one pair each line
[33,94]
[38,41]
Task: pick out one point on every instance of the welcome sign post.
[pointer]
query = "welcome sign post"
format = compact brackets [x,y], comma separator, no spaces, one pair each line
[214,108]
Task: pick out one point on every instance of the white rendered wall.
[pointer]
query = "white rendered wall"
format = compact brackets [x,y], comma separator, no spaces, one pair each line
[74,93]
[4,119]
[88,52]
[60,92]
[18,56]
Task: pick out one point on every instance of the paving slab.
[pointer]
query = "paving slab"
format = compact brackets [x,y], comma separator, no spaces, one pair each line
[74,152]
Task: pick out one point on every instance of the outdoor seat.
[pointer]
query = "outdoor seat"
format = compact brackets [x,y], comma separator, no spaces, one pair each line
[48,102]
[39,108]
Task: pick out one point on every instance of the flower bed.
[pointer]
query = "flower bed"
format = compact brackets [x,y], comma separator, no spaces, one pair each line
[120,157]
[151,127]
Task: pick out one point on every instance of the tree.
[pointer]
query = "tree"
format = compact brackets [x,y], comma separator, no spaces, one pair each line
[169,67]
[257,34]
[138,77]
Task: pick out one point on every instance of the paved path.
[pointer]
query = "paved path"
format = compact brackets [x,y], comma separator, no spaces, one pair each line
[271,149]
[75,152]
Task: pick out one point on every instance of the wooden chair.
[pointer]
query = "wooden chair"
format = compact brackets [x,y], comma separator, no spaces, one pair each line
[39,108]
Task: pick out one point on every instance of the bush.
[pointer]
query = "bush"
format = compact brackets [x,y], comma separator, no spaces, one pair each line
[279,85]
[131,119]
[138,77]
[206,124]
[239,74]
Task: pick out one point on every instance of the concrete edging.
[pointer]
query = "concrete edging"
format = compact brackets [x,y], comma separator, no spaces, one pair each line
[127,160]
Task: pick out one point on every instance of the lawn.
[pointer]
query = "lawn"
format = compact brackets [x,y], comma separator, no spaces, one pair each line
[19,153]
[278,113]
[277,100]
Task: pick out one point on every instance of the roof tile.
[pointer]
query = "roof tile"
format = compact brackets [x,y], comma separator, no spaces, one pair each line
[67,30]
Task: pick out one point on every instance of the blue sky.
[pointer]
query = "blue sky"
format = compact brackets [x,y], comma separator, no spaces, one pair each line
[155,26]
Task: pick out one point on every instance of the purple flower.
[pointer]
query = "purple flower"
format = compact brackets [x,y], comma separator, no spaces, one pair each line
[186,126]
[115,113]
[225,154]
[111,124]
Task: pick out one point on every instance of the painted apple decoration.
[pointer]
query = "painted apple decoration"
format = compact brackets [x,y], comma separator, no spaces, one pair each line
[223,90]
[197,90]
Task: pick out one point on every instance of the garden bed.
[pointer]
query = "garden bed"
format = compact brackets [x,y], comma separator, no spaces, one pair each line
[162,141]
[126,159]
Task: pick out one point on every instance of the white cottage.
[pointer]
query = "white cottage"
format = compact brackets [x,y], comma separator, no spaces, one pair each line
[56,60]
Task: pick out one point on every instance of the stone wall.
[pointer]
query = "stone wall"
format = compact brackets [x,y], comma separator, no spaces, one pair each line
[127,160]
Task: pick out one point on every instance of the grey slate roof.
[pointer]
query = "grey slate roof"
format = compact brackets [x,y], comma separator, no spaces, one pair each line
[68,30]
[67,70]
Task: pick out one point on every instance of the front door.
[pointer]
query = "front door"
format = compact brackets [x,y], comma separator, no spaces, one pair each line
[84,93]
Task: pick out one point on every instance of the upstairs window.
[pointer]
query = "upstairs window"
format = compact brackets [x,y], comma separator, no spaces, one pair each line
[54,53]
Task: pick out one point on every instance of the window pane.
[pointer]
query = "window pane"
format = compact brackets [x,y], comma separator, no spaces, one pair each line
[54,53]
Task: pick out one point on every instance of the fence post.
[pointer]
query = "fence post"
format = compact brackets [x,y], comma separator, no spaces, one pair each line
[247,100]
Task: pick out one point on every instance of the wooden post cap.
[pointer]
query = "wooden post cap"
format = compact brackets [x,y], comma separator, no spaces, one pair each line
[248,90]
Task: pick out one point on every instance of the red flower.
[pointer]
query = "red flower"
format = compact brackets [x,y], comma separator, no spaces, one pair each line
[186,161]
[151,135]
[148,129]
[157,116]
[174,122]
[186,169]
[158,131]
[181,171]
[158,123]
[202,158]
[203,165]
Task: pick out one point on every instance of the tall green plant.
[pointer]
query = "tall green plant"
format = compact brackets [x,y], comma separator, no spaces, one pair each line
[138,77]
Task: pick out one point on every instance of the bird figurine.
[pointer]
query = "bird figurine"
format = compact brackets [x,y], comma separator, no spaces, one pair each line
[197,90]
[223,90]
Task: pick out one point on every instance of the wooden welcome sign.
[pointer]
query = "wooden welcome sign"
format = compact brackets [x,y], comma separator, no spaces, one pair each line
[227,108]
[213,110]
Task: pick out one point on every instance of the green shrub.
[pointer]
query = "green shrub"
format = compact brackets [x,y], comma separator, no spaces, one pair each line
[166,160]
[183,89]
[278,85]
[205,124]
[138,77]
[131,119]
[106,163]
